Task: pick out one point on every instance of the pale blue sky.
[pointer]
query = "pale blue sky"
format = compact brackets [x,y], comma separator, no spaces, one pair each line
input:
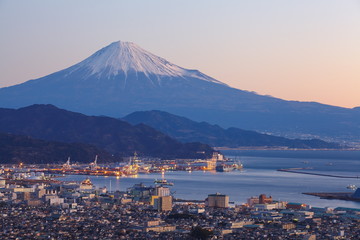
[298,50]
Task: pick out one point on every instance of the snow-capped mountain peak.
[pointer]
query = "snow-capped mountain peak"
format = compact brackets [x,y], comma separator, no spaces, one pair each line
[125,57]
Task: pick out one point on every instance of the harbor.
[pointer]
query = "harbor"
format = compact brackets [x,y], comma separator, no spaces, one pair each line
[192,180]
[259,199]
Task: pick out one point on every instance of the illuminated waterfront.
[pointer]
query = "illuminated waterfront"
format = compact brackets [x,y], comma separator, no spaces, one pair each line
[259,176]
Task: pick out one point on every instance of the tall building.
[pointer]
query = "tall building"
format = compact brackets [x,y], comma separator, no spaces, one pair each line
[162,191]
[163,203]
[263,199]
[252,201]
[218,200]
[2,182]
[140,192]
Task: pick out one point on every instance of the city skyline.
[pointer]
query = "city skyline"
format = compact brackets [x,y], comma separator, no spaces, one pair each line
[301,50]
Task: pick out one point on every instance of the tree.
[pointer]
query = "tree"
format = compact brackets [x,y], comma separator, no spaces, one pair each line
[200,233]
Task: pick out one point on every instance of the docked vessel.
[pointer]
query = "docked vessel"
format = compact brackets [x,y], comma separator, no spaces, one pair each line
[351,186]
[229,166]
[87,181]
[224,168]
[163,182]
[238,165]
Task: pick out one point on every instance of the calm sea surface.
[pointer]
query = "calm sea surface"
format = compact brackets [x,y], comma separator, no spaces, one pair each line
[259,176]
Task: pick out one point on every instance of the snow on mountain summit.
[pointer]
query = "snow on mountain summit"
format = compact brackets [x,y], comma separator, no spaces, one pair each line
[128,57]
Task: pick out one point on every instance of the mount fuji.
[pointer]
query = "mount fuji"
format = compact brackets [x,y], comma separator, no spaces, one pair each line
[122,78]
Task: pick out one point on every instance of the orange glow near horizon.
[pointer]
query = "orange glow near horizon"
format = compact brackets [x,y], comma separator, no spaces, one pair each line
[294,50]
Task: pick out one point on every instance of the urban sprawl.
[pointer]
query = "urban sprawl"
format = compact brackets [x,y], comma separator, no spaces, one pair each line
[34,205]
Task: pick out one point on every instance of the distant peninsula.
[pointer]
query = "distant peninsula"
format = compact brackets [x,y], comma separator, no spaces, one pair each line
[186,130]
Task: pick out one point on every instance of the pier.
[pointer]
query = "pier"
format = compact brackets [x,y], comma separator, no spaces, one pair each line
[297,170]
[348,196]
[178,200]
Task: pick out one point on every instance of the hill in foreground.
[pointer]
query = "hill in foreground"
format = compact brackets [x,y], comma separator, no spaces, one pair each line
[16,149]
[117,137]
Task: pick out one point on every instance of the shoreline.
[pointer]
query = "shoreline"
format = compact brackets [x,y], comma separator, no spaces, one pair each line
[346,196]
[282,149]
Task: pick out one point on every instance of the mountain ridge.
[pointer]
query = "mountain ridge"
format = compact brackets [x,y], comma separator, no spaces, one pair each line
[47,122]
[186,130]
[119,94]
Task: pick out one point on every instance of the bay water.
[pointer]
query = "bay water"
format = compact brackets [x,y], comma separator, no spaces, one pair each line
[258,176]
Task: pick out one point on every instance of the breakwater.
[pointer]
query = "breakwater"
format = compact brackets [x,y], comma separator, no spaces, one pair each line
[299,171]
[348,196]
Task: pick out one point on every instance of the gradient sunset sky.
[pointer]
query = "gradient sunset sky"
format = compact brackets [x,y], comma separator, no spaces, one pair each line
[306,50]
